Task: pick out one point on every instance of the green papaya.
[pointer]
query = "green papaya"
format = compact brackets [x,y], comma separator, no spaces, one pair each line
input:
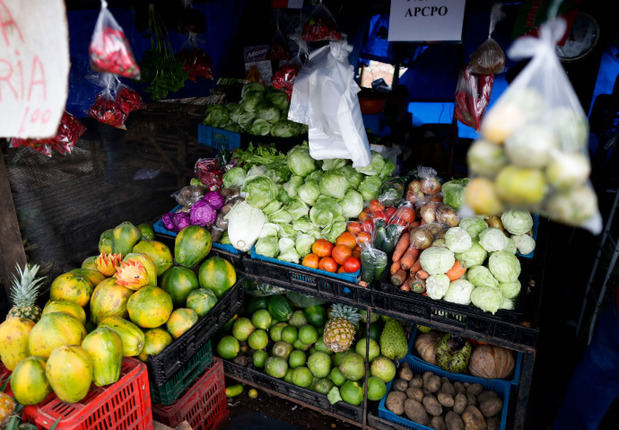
[124,236]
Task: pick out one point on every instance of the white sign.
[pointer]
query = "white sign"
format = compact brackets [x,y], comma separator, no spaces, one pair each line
[426,20]
[34,67]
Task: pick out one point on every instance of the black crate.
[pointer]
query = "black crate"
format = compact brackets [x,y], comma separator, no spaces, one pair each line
[380,423]
[164,366]
[260,379]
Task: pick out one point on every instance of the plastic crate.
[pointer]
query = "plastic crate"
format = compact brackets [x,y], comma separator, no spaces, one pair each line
[169,392]
[380,423]
[165,365]
[304,395]
[502,388]
[123,405]
[203,406]
[218,138]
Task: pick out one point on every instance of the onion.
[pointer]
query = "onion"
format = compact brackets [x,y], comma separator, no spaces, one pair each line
[428,213]
[414,186]
[421,238]
[430,185]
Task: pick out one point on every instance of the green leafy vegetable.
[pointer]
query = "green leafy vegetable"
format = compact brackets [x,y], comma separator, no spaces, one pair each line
[300,162]
[333,184]
[309,192]
[260,191]
[369,187]
[352,204]
[235,177]
[268,246]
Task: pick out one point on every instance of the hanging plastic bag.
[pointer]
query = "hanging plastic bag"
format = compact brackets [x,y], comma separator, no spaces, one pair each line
[284,77]
[278,50]
[534,149]
[106,109]
[489,58]
[472,97]
[320,25]
[325,98]
[68,133]
[109,48]
[196,63]
[129,100]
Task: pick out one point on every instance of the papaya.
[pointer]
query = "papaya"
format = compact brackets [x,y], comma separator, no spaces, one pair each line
[217,274]
[53,330]
[108,263]
[105,241]
[106,350]
[149,307]
[148,264]
[201,301]
[69,370]
[68,307]
[89,263]
[131,336]
[93,276]
[28,381]
[124,236]
[180,321]
[179,281]
[71,287]
[158,252]
[14,334]
[147,232]
[109,300]
[155,341]
[192,245]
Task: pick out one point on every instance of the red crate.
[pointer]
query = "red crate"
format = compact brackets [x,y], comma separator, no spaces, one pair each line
[203,405]
[123,405]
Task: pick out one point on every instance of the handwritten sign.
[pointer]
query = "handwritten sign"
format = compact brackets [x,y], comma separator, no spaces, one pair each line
[34,67]
[426,20]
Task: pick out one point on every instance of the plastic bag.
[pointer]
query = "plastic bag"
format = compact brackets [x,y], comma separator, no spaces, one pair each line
[472,97]
[105,108]
[129,100]
[209,173]
[489,58]
[392,191]
[196,63]
[320,25]
[285,76]
[188,195]
[109,48]
[68,133]
[536,137]
[278,51]
[325,98]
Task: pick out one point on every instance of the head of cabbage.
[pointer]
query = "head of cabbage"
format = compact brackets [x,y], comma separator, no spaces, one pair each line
[517,221]
[487,299]
[473,225]
[436,260]
[493,239]
[333,184]
[480,276]
[300,161]
[504,265]
[261,190]
[474,256]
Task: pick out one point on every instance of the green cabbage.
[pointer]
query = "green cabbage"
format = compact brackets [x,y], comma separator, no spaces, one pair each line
[333,184]
[314,176]
[493,239]
[325,211]
[287,251]
[511,246]
[504,266]
[436,286]
[524,243]
[260,127]
[480,276]
[303,244]
[331,232]
[235,177]
[291,186]
[260,190]
[453,192]
[234,127]
[487,299]
[279,172]
[300,162]
[246,119]
[280,216]
[485,158]
[352,204]
[284,128]
[297,209]
[517,221]
[272,207]
[286,230]
[473,225]
[353,177]
[309,192]
[267,113]
[375,166]
[436,260]
[510,289]
[251,87]
[216,116]
[333,163]
[387,169]
[255,171]
[474,256]
[457,239]
[251,101]
[303,224]
[459,291]
[369,187]
[269,229]
[267,246]
[277,98]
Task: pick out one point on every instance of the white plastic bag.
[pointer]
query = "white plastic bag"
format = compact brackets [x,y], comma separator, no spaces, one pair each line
[533,154]
[325,98]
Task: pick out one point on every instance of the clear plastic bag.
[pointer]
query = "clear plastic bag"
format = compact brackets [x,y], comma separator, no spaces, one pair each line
[320,25]
[489,58]
[534,148]
[196,63]
[472,97]
[188,195]
[278,50]
[106,109]
[68,133]
[209,173]
[109,48]
[129,99]
[285,76]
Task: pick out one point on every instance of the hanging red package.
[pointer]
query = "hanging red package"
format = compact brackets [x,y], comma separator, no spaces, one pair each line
[320,26]
[129,100]
[196,63]
[69,131]
[472,97]
[283,78]
[108,111]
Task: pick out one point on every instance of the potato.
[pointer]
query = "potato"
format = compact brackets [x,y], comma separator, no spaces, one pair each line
[438,423]
[400,385]
[395,402]
[460,403]
[405,372]
[453,421]
[471,399]
[475,389]
[415,393]
[444,380]
[415,412]
[426,377]
[491,407]
[433,407]
[493,423]
[448,388]
[445,399]
[466,385]
[459,386]
[433,384]
[473,419]
[487,395]
[416,382]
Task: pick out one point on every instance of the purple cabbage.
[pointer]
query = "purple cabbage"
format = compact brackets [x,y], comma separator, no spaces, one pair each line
[181,220]
[214,199]
[202,213]
[168,221]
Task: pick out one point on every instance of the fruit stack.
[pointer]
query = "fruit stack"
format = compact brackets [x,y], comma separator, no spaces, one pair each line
[300,340]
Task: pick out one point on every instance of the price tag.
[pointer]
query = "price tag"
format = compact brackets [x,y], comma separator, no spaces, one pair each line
[34,67]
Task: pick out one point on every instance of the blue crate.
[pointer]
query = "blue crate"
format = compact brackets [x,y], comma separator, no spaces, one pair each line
[502,388]
[218,138]
[535,228]
[348,277]
[515,380]
[160,228]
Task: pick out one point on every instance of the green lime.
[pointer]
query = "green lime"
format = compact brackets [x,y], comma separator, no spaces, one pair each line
[337,358]
[288,377]
[259,339]
[322,385]
[228,347]
[320,346]
[253,394]
[276,331]
[289,334]
[300,345]
[260,357]
[302,377]
[276,367]
[297,319]
[336,376]
[383,368]
[242,328]
[319,364]
[296,359]
[374,348]
[376,388]
[308,334]
[351,393]
[261,319]
[281,349]
[352,366]
[316,315]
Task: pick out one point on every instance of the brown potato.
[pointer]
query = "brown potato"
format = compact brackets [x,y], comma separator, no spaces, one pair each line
[400,385]
[491,407]
[471,399]
[444,379]
[433,407]
[415,412]
[426,376]
[395,402]
[473,419]
[405,372]
[438,423]
[487,395]
[493,423]
[460,403]
[433,384]
[415,393]
[475,389]
[448,388]
[445,399]
[459,386]
[416,382]
[453,421]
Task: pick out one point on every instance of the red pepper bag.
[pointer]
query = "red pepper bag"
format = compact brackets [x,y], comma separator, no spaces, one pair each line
[196,63]
[129,100]
[320,26]
[106,108]
[472,97]
[69,131]
[109,48]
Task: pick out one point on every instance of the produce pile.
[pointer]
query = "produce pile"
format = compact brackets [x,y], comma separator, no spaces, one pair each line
[262,111]
[440,403]
[302,341]
[109,308]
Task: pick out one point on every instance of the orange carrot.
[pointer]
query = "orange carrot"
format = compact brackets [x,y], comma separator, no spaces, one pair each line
[395,267]
[409,257]
[456,271]
[422,222]
[416,267]
[398,277]
[422,274]
[401,247]
[414,224]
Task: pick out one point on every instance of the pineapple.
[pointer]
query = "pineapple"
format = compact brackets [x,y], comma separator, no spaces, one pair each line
[24,293]
[340,329]
[7,407]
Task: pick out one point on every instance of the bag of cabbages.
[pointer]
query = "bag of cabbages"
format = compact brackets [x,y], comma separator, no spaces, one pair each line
[532,152]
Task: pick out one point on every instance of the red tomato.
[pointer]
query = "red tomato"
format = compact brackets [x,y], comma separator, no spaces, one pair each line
[356,252]
[381,215]
[328,264]
[346,239]
[351,264]
[341,270]
[340,253]
[322,248]
[311,260]
[376,206]
[363,216]
[364,237]
[389,211]
[354,227]
[367,226]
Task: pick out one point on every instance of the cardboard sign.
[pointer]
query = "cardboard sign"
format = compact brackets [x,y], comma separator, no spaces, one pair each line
[34,67]
[426,20]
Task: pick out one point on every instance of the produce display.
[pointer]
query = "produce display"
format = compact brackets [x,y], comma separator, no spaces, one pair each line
[440,403]
[262,111]
[130,300]
[307,343]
